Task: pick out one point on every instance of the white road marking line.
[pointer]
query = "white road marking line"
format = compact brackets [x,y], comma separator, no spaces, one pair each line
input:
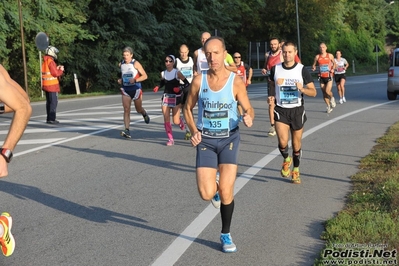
[177,248]
[107,128]
[36,141]
[58,129]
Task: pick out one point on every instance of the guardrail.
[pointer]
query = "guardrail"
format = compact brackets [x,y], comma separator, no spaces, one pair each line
[257,73]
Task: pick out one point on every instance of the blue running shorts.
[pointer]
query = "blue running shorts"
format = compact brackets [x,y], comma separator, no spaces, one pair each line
[214,151]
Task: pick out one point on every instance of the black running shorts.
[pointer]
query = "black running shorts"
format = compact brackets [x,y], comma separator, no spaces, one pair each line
[325,80]
[294,117]
[338,77]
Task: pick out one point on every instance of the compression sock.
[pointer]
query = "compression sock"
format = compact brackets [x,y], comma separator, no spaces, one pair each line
[283,151]
[226,212]
[296,156]
[168,129]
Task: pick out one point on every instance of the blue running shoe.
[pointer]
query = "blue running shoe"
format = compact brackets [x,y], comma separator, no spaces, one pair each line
[227,243]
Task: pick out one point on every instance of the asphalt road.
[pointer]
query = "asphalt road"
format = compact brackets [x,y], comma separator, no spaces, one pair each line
[81,195]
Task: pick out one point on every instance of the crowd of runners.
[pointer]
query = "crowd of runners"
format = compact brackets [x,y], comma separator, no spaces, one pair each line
[216,82]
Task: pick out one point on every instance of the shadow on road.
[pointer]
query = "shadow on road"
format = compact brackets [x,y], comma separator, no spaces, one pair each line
[90,213]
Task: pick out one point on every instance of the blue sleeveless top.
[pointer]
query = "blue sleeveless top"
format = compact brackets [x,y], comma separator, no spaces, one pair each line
[217,110]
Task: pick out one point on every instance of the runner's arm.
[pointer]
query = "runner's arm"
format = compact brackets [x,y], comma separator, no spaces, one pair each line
[250,73]
[185,81]
[16,102]
[264,69]
[315,62]
[309,89]
[346,64]
[7,77]
[140,69]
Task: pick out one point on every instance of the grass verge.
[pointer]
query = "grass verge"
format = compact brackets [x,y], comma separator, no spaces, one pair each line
[370,220]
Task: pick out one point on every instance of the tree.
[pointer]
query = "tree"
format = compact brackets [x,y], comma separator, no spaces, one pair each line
[91,34]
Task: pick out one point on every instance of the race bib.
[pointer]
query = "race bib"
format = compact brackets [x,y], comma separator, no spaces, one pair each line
[169,100]
[324,69]
[187,72]
[126,79]
[204,65]
[289,95]
[216,124]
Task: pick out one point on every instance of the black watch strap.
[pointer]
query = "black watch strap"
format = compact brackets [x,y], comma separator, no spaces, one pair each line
[7,154]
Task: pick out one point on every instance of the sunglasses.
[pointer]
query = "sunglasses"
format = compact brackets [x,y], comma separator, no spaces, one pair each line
[237,56]
[168,61]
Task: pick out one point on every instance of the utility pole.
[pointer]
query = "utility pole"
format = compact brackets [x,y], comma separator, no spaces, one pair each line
[23,46]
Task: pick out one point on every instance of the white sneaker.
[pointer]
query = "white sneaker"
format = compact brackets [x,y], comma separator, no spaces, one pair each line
[272,131]
[329,109]
[343,99]
[216,199]
[333,104]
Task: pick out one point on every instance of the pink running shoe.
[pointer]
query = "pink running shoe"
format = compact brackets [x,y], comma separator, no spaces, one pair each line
[181,125]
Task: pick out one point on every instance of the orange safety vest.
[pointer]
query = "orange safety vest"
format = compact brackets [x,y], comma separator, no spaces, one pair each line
[47,78]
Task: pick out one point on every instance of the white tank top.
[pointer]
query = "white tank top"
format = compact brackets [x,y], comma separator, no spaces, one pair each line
[185,68]
[287,93]
[340,65]
[202,63]
[129,71]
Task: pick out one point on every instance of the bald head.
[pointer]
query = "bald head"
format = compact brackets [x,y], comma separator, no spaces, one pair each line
[183,52]
[205,36]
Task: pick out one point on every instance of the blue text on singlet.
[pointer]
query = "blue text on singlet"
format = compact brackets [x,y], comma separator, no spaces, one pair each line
[217,110]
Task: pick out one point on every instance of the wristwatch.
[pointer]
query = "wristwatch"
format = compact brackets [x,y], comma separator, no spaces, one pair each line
[2,108]
[7,154]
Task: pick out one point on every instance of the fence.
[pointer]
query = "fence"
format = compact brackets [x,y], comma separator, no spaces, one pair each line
[257,73]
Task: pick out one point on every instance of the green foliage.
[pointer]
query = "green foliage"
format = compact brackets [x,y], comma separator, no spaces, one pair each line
[91,34]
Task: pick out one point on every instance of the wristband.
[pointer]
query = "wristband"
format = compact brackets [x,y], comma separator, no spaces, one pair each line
[7,154]
[2,108]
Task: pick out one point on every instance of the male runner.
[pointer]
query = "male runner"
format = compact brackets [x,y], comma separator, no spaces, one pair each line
[289,82]
[200,62]
[216,134]
[185,65]
[243,69]
[12,99]
[327,65]
[273,57]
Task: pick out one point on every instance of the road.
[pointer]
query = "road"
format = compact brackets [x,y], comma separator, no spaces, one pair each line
[81,195]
